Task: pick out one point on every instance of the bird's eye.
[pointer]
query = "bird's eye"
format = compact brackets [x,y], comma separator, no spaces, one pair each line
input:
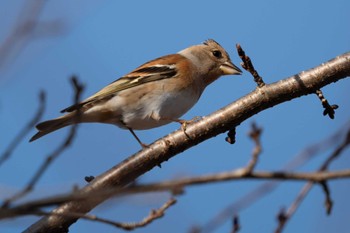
[217,54]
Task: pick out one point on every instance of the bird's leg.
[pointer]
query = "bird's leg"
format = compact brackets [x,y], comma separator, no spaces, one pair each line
[184,123]
[137,138]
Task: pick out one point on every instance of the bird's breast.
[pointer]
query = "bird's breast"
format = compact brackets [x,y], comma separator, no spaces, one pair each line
[158,108]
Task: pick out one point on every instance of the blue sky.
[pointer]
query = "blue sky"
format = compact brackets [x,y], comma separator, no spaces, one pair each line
[100,41]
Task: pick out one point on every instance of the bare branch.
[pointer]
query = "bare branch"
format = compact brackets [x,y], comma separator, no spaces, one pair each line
[307,187]
[254,134]
[153,215]
[248,66]
[219,122]
[266,188]
[78,88]
[21,135]
[240,174]
[283,216]
[337,152]
[319,177]
[27,27]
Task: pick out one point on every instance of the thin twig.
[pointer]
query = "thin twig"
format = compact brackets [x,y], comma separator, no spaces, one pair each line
[266,188]
[27,28]
[284,216]
[21,135]
[307,187]
[337,152]
[248,66]
[239,174]
[26,208]
[254,134]
[78,88]
[153,215]
[328,200]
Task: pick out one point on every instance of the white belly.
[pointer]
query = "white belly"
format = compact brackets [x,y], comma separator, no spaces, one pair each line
[140,109]
[158,109]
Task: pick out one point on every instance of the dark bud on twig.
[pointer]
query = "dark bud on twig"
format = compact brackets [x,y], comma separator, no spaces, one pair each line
[255,132]
[282,216]
[328,201]
[231,136]
[235,224]
[89,178]
[328,109]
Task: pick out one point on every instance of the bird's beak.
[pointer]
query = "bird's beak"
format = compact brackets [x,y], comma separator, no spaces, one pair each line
[229,68]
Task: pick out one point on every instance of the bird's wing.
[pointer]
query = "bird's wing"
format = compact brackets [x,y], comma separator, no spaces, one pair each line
[161,68]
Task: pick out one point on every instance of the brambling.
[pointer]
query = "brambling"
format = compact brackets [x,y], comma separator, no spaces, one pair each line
[154,94]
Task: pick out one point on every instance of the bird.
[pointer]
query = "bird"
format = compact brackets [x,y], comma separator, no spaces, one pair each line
[154,94]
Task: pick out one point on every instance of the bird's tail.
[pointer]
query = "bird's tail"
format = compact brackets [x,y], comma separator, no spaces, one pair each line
[47,127]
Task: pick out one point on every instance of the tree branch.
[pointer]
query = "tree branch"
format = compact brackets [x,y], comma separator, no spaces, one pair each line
[21,135]
[265,97]
[31,207]
[28,27]
[153,215]
[78,88]
[254,134]
[259,192]
[307,187]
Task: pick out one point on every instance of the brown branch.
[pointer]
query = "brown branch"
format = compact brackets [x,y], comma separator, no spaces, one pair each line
[27,27]
[266,188]
[337,152]
[254,134]
[307,187]
[248,66]
[78,88]
[319,177]
[239,174]
[210,126]
[21,135]
[153,215]
[284,216]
